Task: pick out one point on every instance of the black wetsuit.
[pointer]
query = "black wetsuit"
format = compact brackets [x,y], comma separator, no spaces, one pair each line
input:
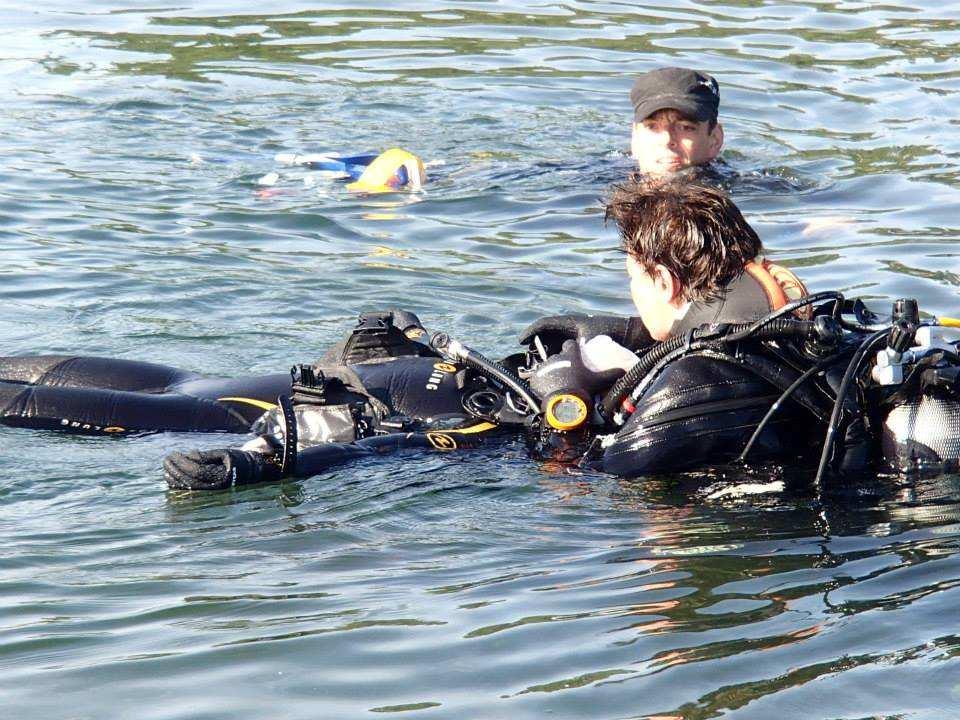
[742,300]
[703,407]
[92,395]
[699,410]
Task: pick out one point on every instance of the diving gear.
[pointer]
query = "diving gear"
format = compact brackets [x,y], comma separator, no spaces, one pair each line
[566,411]
[379,335]
[458,352]
[567,386]
[630,332]
[620,399]
[392,169]
[218,469]
[917,377]
[923,434]
[773,388]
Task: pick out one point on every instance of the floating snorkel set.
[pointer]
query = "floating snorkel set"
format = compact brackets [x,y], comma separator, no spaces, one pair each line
[392,170]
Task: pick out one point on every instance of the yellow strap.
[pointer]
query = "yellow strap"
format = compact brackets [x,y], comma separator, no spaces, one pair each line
[478,428]
[249,401]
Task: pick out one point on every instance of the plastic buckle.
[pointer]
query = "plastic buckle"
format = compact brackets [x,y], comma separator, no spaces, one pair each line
[395,423]
[308,384]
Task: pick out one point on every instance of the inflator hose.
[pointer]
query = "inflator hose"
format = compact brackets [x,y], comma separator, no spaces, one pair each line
[849,376]
[698,339]
[774,326]
[488,368]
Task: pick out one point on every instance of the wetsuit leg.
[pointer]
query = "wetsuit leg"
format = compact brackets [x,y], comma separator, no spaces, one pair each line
[96,395]
[701,411]
[71,371]
[105,411]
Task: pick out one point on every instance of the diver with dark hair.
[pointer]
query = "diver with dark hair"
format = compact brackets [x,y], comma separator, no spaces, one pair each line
[730,359]
[693,262]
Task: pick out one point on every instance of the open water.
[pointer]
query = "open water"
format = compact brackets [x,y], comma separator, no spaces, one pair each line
[481,585]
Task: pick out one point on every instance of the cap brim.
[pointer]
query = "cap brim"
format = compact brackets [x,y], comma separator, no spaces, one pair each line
[680,103]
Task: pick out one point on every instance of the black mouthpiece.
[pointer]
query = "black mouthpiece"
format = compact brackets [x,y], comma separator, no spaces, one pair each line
[906,309]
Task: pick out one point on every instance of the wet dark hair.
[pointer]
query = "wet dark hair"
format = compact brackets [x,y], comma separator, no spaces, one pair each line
[693,230]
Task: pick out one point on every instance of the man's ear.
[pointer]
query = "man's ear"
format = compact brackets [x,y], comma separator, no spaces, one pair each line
[667,285]
[716,140]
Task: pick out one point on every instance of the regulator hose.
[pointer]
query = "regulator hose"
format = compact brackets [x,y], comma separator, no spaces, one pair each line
[773,327]
[455,350]
[810,372]
[852,368]
[789,308]
[706,336]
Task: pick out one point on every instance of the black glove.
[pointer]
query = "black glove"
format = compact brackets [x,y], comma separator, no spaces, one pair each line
[217,469]
[554,329]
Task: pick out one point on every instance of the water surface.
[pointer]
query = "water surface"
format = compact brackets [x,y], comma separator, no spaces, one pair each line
[468,586]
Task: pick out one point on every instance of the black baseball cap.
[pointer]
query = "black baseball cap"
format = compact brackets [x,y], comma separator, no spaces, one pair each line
[691,92]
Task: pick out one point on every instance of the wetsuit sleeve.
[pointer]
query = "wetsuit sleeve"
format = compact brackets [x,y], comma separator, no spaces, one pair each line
[222,469]
[319,458]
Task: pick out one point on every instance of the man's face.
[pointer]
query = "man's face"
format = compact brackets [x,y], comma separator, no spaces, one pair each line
[667,142]
[653,296]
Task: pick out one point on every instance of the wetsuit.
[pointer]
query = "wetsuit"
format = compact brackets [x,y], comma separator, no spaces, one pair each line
[93,395]
[381,391]
[760,289]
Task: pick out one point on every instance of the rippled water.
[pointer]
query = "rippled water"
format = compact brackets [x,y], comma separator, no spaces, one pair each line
[468,586]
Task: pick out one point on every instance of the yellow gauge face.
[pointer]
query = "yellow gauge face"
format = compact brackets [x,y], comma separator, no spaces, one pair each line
[566,412]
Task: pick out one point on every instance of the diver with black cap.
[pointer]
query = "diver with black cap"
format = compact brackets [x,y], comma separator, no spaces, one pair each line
[675,124]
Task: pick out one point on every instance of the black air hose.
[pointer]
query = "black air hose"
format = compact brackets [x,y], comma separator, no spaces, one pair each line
[442,343]
[849,376]
[770,324]
[698,339]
